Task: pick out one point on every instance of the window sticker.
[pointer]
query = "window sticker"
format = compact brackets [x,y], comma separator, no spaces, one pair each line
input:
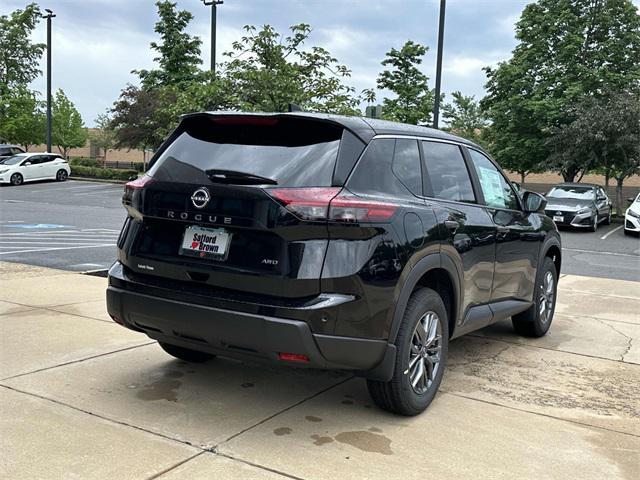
[492,187]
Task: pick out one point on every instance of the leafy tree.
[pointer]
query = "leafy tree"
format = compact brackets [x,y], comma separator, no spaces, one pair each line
[68,130]
[567,50]
[465,117]
[18,55]
[178,52]
[133,118]
[103,136]
[267,71]
[413,101]
[23,122]
[604,131]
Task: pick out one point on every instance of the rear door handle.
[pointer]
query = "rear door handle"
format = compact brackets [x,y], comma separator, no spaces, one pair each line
[452,225]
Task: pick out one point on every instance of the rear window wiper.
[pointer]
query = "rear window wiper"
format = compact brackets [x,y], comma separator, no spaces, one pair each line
[240,178]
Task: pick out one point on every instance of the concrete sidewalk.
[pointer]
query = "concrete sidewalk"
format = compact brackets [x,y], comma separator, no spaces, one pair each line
[84,398]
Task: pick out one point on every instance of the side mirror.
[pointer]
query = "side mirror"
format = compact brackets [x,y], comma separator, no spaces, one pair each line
[533,202]
[516,186]
[27,164]
[630,200]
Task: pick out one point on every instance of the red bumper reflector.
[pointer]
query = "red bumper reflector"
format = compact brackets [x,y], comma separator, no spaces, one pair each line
[117,320]
[293,357]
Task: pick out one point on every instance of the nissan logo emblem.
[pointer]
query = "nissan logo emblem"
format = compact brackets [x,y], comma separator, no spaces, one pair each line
[200,197]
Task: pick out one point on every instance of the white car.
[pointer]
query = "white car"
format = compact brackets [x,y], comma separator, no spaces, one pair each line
[27,167]
[632,217]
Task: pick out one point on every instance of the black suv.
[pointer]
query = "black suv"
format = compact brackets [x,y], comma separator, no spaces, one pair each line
[330,242]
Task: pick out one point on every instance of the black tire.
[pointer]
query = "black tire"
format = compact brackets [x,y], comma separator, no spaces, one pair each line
[535,321]
[16,179]
[399,395]
[607,220]
[594,227]
[61,175]
[186,354]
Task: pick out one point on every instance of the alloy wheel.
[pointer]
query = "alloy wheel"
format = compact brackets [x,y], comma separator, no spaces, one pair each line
[424,355]
[16,179]
[546,299]
[62,176]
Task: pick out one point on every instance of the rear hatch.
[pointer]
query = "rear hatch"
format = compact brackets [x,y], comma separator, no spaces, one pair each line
[239,203]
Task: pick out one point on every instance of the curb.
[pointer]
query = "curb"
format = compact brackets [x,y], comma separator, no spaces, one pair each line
[98,180]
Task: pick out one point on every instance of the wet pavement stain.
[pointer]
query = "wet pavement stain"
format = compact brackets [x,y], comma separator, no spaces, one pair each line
[347,402]
[375,430]
[319,441]
[311,418]
[366,441]
[280,431]
[247,385]
[163,388]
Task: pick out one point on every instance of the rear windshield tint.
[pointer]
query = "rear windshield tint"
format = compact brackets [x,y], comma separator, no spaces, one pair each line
[293,152]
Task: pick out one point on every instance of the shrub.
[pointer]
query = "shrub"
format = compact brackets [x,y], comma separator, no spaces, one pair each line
[85,162]
[104,173]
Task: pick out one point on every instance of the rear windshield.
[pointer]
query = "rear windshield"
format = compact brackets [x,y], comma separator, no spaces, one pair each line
[292,152]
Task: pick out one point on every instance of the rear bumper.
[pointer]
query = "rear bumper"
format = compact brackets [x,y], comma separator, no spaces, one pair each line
[244,335]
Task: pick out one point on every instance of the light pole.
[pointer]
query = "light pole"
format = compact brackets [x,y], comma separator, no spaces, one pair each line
[213,4]
[48,16]
[436,104]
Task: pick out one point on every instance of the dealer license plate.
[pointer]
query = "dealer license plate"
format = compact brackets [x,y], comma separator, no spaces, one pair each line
[558,218]
[205,242]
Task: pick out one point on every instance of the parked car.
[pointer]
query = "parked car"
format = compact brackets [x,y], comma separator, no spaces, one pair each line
[7,151]
[330,242]
[579,205]
[27,167]
[632,216]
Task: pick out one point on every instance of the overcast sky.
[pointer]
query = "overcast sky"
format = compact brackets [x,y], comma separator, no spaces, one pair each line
[96,43]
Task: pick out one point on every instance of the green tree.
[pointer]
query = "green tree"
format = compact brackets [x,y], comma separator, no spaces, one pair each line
[604,132]
[68,130]
[413,101]
[103,135]
[23,122]
[19,57]
[178,52]
[465,117]
[567,50]
[267,71]
[134,118]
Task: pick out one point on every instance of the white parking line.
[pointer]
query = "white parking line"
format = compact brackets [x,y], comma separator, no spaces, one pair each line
[36,243]
[609,233]
[94,185]
[58,248]
[601,253]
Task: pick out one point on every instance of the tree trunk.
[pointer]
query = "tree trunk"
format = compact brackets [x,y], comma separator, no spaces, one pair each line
[607,174]
[619,201]
[522,175]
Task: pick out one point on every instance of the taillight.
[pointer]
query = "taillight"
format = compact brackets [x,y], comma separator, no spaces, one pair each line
[333,204]
[138,182]
[132,191]
[306,203]
[293,357]
[348,208]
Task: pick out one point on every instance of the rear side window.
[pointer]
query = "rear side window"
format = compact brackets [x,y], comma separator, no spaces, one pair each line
[5,151]
[379,171]
[447,172]
[291,151]
[406,165]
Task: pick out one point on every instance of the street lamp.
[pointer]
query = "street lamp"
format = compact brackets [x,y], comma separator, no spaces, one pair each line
[436,104]
[48,16]
[213,4]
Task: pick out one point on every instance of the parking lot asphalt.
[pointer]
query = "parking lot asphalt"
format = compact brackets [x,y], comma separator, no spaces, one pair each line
[85,398]
[74,226]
